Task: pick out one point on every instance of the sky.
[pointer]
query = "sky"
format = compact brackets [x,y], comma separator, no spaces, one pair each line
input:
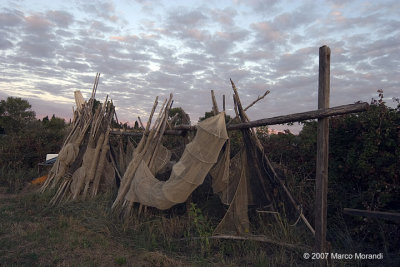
[144,49]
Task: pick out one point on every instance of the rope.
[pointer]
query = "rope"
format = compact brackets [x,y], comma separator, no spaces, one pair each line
[301,207]
[298,219]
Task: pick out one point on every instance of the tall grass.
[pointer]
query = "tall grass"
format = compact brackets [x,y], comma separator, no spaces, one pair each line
[45,235]
[16,179]
[38,234]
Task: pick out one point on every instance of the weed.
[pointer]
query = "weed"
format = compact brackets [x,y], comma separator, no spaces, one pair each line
[86,233]
[202,227]
[120,261]
[16,179]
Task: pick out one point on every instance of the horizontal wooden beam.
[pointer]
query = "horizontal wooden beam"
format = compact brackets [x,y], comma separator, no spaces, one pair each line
[392,216]
[309,115]
[126,133]
[259,238]
[166,132]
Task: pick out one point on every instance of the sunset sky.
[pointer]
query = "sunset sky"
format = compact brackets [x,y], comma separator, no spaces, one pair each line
[144,49]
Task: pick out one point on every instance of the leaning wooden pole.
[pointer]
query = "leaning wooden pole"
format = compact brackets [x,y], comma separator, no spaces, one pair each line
[321,179]
[309,115]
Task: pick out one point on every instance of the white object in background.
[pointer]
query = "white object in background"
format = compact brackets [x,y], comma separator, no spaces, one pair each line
[51,156]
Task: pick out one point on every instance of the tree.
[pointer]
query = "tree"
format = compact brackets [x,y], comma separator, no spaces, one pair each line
[56,123]
[364,173]
[207,115]
[45,120]
[15,114]
[182,117]
[27,140]
[365,161]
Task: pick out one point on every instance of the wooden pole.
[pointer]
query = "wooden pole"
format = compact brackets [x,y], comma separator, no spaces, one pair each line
[321,180]
[259,238]
[140,122]
[309,115]
[392,216]
[214,102]
[223,103]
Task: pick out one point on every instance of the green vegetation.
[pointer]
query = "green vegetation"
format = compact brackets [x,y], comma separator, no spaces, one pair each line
[86,233]
[25,141]
[364,173]
[77,234]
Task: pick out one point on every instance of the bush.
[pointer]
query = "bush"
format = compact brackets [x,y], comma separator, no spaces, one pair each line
[364,152]
[25,141]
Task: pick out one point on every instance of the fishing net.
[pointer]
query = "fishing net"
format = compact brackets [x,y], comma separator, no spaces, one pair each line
[187,174]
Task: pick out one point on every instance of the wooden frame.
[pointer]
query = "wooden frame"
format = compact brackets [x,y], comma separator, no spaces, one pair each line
[391,216]
[322,114]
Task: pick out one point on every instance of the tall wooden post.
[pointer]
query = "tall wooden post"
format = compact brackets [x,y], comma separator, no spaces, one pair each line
[321,179]
[214,102]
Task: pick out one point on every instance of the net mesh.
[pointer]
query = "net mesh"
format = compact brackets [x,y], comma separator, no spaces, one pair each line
[187,174]
[230,182]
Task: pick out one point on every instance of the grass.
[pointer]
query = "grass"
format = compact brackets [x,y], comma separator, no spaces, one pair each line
[78,234]
[14,180]
[86,233]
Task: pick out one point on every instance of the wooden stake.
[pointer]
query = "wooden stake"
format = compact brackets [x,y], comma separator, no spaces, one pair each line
[116,118]
[214,102]
[321,179]
[140,122]
[235,107]
[94,85]
[115,166]
[151,115]
[97,83]
[223,103]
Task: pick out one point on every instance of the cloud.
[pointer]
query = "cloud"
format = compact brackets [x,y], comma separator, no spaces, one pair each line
[259,6]
[290,21]
[74,66]
[222,43]
[126,38]
[10,18]
[62,19]
[181,18]
[101,9]
[38,47]
[4,43]
[267,34]
[297,61]
[145,48]
[148,6]
[225,17]
[37,24]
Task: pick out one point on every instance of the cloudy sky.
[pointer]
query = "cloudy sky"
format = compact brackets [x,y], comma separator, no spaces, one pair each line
[144,49]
